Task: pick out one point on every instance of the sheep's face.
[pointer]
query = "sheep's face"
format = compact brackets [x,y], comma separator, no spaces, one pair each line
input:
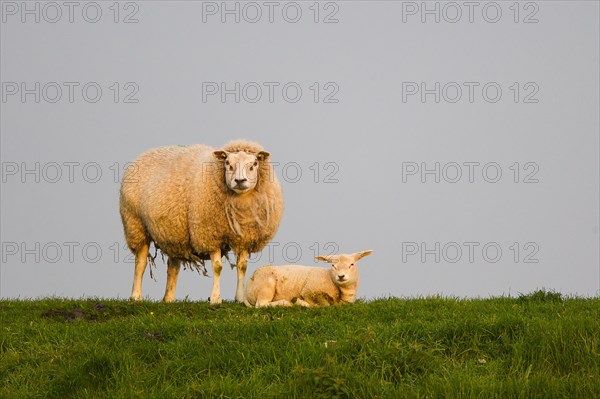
[241,169]
[344,269]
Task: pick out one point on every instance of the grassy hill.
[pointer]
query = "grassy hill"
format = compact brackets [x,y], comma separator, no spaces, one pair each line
[536,346]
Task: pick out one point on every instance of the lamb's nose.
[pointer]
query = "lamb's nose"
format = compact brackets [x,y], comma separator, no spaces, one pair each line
[240,181]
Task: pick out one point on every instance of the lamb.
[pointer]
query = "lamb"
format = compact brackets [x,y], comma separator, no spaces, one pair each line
[196,203]
[306,286]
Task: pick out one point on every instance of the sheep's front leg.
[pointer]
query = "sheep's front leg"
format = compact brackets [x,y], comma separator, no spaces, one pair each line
[173,266]
[242,263]
[215,259]
[141,259]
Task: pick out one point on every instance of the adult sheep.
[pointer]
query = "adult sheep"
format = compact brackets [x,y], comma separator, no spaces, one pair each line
[196,203]
[304,285]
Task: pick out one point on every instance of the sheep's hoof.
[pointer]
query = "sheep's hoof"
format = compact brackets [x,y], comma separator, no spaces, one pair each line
[136,298]
[215,300]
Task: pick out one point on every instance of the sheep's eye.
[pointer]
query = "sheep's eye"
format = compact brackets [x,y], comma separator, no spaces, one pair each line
[251,167]
[255,163]
[231,168]
[351,264]
[227,163]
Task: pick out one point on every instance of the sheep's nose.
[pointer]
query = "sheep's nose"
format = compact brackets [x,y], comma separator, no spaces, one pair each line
[240,181]
[341,277]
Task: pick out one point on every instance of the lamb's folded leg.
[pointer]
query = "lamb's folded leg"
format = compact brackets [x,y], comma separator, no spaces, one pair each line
[281,302]
[301,302]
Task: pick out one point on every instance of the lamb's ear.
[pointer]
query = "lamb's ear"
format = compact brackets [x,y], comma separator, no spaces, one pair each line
[362,254]
[220,155]
[263,155]
[326,258]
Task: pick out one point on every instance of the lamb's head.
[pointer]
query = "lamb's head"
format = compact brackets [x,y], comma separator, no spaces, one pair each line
[241,169]
[344,269]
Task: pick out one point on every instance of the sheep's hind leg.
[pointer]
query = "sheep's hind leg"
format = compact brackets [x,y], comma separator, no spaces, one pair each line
[173,266]
[242,263]
[263,292]
[141,260]
[215,259]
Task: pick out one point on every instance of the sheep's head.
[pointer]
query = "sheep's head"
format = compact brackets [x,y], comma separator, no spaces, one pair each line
[241,169]
[344,269]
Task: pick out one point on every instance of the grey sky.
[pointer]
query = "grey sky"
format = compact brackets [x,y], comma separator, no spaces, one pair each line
[512,97]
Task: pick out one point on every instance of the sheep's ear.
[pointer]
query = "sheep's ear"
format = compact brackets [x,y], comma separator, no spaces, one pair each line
[327,258]
[263,155]
[220,155]
[362,254]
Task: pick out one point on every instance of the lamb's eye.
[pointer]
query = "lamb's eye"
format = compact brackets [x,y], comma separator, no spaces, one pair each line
[230,167]
[255,163]
[227,163]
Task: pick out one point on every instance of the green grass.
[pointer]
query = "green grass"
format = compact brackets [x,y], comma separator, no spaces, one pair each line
[536,346]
